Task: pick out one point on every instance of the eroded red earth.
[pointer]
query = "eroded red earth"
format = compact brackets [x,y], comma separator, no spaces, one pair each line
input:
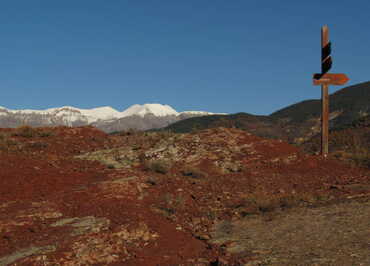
[56,209]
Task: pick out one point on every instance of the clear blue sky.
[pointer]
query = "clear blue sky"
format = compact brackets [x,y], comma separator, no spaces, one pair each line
[219,56]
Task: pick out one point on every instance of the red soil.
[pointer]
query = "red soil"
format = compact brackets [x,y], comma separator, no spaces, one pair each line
[42,183]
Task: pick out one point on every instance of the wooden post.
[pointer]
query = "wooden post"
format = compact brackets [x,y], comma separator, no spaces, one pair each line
[325,79]
[324,100]
[325,120]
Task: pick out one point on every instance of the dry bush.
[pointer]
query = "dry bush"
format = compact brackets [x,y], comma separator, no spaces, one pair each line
[157,166]
[6,143]
[169,204]
[165,134]
[193,172]
[111,166]
[174,201]
[4,137]
[223,229]
[362,159]
[292,200]
[256,203]
[46,133]
[26,132]
[37,145]
[267,204]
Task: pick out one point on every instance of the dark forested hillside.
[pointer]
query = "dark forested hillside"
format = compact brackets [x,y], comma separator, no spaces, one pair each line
[296,123]
[263,126]
[351,102]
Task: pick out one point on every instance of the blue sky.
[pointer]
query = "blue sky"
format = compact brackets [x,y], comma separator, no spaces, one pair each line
[219,56]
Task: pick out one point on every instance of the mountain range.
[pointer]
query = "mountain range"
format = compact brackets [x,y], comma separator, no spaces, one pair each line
[295,123]
[140,117]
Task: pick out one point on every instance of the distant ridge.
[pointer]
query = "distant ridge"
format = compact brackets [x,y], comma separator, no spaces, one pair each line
[141,117]
[296,123]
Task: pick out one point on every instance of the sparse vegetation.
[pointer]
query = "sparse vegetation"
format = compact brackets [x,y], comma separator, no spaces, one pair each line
[26,132]
[128,132]
[46,133]
[31,132]
[111,166]
[158,166]
[182,194]
[351,144]
[193,172]
[7,143]
[3,136]
[169,204]
[256,203]
[37,145]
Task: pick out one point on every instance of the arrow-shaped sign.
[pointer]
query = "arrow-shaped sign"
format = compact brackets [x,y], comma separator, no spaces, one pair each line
[330,79]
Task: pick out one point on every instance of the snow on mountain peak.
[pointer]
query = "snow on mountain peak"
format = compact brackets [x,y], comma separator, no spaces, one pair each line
[105,112]
[201,113]
[70,114]
[92,115]
[149,108]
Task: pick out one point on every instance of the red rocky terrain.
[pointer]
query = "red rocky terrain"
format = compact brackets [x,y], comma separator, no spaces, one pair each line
[77,196]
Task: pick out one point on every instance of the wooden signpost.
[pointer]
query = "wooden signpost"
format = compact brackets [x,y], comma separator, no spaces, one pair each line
[325,79]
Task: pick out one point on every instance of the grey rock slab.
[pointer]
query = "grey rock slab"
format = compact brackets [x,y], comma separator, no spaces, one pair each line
[23,253]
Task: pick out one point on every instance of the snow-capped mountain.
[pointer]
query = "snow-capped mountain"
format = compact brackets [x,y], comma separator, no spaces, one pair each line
[137,116]
[66,115]
[155,109]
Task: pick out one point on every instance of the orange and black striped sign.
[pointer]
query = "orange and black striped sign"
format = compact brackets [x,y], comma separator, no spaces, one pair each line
[326,61]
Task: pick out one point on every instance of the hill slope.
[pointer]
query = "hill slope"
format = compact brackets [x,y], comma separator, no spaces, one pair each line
[351,102]
[296,123]
[263,126]
[349,143]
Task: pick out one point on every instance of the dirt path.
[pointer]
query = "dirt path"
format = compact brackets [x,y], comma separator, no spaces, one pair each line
[335,234]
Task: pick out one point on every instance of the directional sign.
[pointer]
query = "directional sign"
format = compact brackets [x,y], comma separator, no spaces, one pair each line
[325,79]
[326,65]
[326,61]
[325,51]
[330,79]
